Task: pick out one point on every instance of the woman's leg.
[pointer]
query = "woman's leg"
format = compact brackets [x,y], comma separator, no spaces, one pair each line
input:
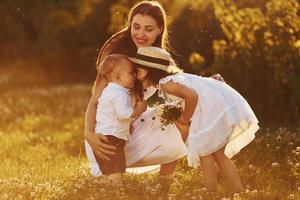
[209,172]
[168,168]
[229,169]
[115,178]
[166,176]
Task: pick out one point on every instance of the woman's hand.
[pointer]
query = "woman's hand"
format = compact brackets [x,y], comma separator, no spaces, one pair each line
[99,145]
[217,77]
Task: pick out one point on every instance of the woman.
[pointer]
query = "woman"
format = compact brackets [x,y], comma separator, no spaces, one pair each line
[149,144]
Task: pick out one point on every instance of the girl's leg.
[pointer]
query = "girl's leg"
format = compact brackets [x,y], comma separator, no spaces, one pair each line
[209,172]
[229,169]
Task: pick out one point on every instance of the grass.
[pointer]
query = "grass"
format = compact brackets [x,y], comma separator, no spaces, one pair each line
[43,156]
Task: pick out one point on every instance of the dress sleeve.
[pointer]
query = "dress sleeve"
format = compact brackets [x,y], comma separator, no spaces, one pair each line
[176,78]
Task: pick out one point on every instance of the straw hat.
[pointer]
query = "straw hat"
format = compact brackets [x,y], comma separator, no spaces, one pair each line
[154,57]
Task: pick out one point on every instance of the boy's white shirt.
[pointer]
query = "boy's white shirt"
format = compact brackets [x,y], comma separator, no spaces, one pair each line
[113,111]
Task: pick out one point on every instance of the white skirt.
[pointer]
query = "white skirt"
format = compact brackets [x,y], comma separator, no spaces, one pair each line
[148,145]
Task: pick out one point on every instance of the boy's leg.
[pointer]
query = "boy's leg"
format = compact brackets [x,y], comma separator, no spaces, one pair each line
[113,170]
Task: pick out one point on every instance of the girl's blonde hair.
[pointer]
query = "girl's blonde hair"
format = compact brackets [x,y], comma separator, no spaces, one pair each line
[110,65]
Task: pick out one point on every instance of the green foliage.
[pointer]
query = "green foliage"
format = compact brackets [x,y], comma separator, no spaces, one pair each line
[193,29]
[260,54]
[251,43]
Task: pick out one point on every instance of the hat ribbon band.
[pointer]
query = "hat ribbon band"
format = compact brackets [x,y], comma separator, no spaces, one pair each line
[152,59]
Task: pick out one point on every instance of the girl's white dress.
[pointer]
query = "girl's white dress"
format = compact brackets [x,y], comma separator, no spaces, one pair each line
[222,117]
[148,145]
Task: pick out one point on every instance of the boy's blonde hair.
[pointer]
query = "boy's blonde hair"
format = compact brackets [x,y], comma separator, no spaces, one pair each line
[111,65]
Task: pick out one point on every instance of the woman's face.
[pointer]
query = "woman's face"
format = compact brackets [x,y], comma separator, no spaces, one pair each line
[141,74]
[144,30]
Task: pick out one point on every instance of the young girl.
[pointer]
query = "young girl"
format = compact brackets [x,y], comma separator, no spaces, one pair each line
[220,120]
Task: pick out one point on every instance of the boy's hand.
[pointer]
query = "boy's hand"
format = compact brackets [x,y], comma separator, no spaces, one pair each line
[141,105]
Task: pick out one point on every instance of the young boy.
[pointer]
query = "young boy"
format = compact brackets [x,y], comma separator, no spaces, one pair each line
[115,111]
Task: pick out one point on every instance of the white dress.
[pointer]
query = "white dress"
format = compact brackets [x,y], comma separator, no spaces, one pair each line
[222,117]
[148,144]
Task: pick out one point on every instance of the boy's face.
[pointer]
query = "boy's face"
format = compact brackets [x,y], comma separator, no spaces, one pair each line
[127,74]
[141,73]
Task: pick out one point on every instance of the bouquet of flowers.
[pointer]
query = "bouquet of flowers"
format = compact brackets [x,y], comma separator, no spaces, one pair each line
[169,113]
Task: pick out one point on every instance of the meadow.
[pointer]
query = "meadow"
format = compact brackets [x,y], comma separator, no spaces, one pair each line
[42,156]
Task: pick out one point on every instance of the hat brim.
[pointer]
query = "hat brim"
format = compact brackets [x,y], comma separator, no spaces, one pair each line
[149,64]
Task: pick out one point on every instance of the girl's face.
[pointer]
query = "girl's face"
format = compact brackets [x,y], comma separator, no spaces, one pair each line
[144,30]
[141,73]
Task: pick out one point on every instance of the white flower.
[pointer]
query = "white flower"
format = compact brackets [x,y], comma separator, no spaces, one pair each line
[236,194]
[251,166]
[275,164]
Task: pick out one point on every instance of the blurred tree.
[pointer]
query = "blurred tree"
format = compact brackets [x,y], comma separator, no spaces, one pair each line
[194,28]
[260,56]
[251,43]
[62,36]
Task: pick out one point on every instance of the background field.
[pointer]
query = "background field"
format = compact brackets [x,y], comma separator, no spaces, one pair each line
[47,66]
[42,155]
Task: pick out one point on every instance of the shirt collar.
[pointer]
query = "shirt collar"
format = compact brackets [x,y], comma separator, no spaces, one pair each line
[118,86]
[149,91]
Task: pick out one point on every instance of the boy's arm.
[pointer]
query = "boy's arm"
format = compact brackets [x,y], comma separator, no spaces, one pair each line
[124,109]
[140,107]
